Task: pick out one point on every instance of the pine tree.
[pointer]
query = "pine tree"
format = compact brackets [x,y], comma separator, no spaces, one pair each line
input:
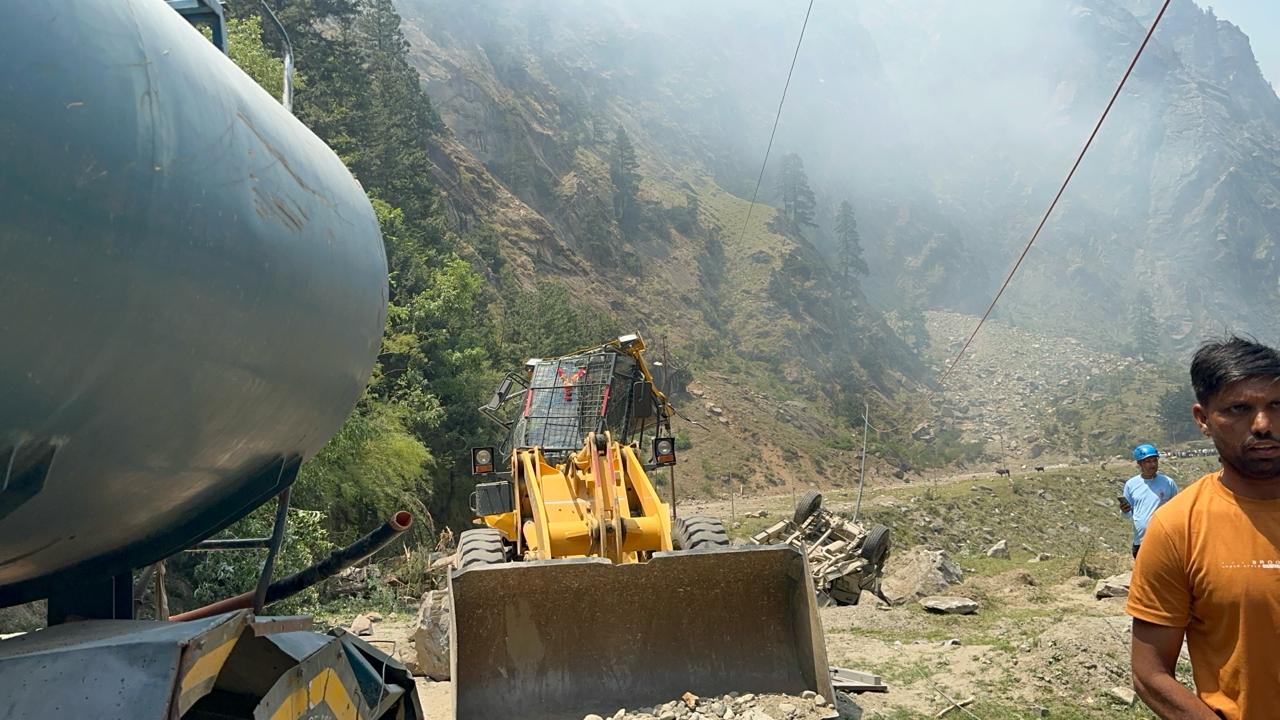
[798,201]
[624,171]
[1142,325]
[848,244]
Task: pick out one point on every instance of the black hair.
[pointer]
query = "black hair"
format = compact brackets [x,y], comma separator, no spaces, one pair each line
[1219,363]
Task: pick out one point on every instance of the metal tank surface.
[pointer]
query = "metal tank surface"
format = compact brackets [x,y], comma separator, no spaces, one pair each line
[192,291]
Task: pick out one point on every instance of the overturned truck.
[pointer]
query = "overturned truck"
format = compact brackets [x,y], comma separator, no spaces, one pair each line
[845,558]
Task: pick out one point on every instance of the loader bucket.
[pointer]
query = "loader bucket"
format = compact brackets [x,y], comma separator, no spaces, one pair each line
[559,639]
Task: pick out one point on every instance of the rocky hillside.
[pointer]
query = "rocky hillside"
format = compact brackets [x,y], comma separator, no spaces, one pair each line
[929,118]
[1037,398]
[946,170]
[530,156]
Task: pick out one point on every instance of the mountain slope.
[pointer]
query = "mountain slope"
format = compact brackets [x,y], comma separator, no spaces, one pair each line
[748,306]
[948,127]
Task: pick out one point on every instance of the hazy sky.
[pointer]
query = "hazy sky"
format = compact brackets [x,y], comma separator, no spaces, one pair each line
[1260,20]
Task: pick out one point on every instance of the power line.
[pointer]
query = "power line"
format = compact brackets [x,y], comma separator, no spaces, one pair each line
[1056,197]
[776,118]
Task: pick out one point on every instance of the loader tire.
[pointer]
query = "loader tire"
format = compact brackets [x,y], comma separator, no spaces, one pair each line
[482,546]
[698,532]
[808,504]
[875,548]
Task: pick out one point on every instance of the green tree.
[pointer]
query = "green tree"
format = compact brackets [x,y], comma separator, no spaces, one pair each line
[1142,326]
[798,201]
[244,44]
[848,244]
[624,170]
[1174,411]
[551,320]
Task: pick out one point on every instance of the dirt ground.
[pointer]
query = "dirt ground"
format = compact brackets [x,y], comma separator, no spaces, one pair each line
[1041,644]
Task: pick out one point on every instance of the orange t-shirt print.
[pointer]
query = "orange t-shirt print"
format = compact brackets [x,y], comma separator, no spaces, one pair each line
[1210,562]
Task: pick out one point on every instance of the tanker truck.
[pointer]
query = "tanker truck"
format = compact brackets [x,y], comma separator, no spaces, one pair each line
[193,289]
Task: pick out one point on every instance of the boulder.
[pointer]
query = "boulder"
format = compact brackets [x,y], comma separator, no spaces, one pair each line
[1114,586]
[431,636]
[1123,695]
[999,550]
[362,625]
[920,573]
[949,605]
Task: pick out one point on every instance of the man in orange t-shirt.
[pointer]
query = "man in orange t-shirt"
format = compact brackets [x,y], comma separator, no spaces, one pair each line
[1210,563]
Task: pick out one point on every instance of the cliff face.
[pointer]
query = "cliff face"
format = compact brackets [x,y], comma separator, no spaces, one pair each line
[777,345]
[947,126]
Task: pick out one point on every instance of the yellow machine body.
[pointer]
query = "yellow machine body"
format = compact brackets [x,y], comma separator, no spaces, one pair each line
[597,504]
[582,596]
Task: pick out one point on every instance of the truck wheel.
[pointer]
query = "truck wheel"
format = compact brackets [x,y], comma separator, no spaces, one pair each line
[875,547]
[808,504]
[697,532]
[482,546]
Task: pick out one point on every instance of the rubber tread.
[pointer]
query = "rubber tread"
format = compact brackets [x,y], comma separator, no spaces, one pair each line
[808,504]
[875,547]
[482,546]
[697,532]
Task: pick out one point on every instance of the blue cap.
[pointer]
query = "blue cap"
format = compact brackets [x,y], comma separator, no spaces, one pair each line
[1144,451]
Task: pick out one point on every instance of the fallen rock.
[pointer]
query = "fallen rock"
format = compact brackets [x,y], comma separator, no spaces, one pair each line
[1123,695]
[921,573]
[999,550]
[1114,586]
[374,617]
[949,605]
[756,514]
[847,708]
[431,635]
[690,700]
[362,625]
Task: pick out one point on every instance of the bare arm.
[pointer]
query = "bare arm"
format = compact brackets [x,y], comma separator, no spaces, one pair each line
[1154,658]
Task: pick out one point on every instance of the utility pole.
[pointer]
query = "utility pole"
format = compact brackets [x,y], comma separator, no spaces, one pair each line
[862,472]
[733,504]
[666,390]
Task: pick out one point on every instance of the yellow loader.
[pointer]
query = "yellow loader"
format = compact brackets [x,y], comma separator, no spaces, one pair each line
[579,594]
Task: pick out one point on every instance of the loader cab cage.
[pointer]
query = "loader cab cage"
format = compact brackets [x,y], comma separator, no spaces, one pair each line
[564,399]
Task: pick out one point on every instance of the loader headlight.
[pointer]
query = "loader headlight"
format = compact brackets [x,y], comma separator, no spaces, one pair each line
[664,450]
[481,460]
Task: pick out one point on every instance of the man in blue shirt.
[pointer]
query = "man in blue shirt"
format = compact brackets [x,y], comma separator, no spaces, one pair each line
[1146,491]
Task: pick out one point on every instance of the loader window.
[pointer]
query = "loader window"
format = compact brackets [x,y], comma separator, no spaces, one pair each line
[567,399]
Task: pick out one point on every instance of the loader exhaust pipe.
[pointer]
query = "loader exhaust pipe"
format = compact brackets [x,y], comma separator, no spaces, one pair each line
[560,639]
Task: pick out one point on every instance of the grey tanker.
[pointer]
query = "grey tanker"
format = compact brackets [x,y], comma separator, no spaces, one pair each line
[192,292]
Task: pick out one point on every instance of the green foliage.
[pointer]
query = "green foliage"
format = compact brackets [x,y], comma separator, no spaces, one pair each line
[1174,411]
[624,171]
[223,574]
[370,469]
[683,440]
[244,44]
[1142,325]
[798,202]
[551,320]
[848,244]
